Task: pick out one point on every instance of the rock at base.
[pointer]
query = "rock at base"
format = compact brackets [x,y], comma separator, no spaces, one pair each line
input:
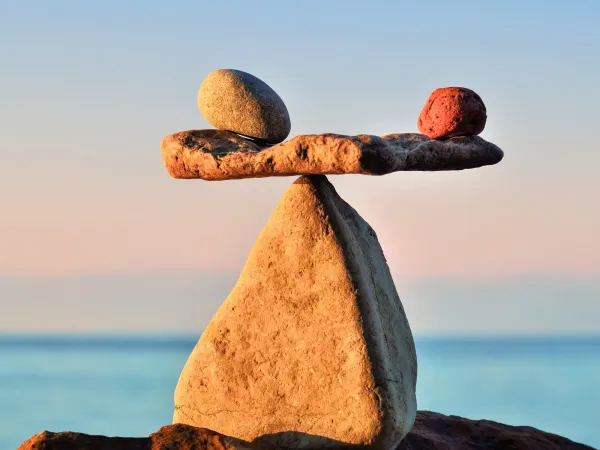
[68,440]
[431,431]
[221,155]
[312,348]
[170,437]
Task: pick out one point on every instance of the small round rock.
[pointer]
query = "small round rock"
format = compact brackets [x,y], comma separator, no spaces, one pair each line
[237,101]
[452,111]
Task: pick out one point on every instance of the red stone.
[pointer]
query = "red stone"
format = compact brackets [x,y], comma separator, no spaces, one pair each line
[452,111]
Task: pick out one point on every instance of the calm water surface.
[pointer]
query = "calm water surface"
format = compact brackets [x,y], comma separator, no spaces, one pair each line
[124,385]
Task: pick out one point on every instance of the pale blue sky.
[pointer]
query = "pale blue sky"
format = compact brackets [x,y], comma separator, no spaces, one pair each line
[88,90]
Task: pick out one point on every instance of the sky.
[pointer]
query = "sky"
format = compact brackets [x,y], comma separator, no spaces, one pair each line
[89,215]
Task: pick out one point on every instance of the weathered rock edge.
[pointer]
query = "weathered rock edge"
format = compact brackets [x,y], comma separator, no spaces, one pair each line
[222,155]
[432,431]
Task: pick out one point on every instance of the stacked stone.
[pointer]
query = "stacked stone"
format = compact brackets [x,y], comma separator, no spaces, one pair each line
[241,106]
[237,101]
[312,347]
[451,112]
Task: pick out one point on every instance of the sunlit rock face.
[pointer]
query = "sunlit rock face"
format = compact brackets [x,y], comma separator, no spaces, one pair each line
[312,347]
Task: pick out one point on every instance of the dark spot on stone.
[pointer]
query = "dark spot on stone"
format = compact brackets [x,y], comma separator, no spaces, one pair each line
[302,152]
[189,141]
[372,163]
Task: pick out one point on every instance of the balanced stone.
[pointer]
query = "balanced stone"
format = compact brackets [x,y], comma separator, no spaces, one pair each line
[312,347]
[237,101]
[221,155]
[452,111]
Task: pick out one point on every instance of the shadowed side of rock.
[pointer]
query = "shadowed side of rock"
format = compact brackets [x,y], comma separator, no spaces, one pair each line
[434,431]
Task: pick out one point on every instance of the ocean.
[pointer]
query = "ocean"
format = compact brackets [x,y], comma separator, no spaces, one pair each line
[124,385]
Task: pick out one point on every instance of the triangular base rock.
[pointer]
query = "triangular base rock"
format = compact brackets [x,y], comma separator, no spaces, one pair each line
[312,347]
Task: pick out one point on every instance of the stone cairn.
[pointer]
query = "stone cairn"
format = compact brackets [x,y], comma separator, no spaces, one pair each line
[312,348]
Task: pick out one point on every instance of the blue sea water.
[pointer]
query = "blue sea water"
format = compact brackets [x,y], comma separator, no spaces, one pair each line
[124,385]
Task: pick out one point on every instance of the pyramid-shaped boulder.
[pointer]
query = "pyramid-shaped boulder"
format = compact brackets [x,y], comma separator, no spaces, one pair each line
[312,347]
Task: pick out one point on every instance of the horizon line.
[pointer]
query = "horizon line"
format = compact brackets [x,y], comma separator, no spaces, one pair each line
[172,335]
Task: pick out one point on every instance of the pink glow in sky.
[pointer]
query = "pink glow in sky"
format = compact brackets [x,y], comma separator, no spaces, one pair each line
[87,94]
[83,110]
[463,224]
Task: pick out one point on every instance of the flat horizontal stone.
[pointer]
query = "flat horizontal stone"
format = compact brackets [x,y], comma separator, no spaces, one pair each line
[223,155]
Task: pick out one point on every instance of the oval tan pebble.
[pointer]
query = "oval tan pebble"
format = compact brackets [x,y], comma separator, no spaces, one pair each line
[452,111]
[240,102]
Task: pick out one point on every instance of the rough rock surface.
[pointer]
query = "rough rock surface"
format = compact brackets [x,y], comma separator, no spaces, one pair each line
[312,347]
[47,440]
[452,111]
[237,101]
[431,431]
[220,155]
[170,437]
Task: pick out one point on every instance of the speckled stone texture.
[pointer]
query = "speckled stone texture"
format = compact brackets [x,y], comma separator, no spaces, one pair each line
[237,101]
[452,111]
[312,348]
[221,155]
